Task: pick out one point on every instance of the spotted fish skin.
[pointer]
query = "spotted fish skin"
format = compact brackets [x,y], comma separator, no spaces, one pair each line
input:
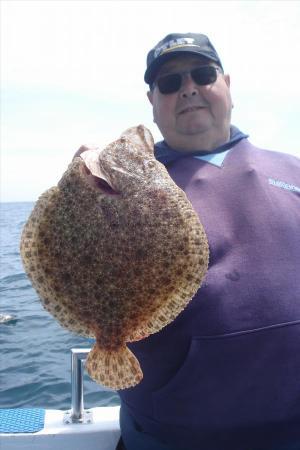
[115,251]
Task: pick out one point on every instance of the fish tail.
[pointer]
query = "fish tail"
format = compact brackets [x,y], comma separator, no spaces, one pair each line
[116,369]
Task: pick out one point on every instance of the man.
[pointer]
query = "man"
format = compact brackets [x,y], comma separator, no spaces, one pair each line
[226,373]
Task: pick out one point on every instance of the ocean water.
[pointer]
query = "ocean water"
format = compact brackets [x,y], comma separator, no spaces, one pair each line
[35,359]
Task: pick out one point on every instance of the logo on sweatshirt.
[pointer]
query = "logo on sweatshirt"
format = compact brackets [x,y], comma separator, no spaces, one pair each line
[284,185]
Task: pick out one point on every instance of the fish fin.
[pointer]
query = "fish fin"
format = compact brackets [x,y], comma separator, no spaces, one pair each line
[158,320]
[172,304]
[34,266]
[141,333]
[116,369]
[168,310]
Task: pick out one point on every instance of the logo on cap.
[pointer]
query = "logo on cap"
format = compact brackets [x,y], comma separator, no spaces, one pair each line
[174,43]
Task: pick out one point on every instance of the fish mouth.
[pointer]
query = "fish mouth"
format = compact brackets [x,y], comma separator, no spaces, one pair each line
[94,175]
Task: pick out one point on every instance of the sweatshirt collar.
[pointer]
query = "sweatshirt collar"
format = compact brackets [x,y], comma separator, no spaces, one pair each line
[166,154]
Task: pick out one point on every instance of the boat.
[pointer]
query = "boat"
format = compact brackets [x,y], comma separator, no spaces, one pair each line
[74,429]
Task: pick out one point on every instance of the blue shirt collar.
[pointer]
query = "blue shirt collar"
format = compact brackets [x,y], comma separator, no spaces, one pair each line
[166,154]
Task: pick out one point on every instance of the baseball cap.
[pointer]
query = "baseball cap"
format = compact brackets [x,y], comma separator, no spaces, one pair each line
[178,43]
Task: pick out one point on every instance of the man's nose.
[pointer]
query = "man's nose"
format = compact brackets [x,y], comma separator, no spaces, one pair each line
[188,86]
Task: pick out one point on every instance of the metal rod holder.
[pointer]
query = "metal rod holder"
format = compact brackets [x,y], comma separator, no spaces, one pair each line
[77,413]
[78,357]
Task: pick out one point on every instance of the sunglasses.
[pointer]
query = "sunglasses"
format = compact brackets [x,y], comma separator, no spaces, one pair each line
[171,83]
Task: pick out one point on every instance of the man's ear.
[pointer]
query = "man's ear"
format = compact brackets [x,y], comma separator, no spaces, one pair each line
[227,79]
[150,97]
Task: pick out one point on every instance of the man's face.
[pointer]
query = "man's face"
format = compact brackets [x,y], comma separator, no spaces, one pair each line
[195,117]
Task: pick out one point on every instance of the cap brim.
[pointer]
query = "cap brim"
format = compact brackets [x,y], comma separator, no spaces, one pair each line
[152,70]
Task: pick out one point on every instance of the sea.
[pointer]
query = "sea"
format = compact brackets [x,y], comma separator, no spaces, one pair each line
[35,351]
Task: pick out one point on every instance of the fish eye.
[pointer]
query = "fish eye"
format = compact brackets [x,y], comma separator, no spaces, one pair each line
[150,164]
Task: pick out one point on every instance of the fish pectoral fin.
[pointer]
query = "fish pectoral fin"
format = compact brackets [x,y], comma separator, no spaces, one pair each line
[91,161]
[94,175]
[115,369]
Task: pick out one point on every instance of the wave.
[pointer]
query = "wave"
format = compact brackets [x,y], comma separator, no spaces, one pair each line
[18,281]
[7,319]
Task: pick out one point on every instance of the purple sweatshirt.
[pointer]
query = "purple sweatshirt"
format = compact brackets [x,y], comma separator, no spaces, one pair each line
[226,372]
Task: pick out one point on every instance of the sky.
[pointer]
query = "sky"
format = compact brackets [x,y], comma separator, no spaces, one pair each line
[72,74]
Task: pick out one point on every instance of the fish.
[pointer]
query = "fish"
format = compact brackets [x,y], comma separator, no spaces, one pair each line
[115,252]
